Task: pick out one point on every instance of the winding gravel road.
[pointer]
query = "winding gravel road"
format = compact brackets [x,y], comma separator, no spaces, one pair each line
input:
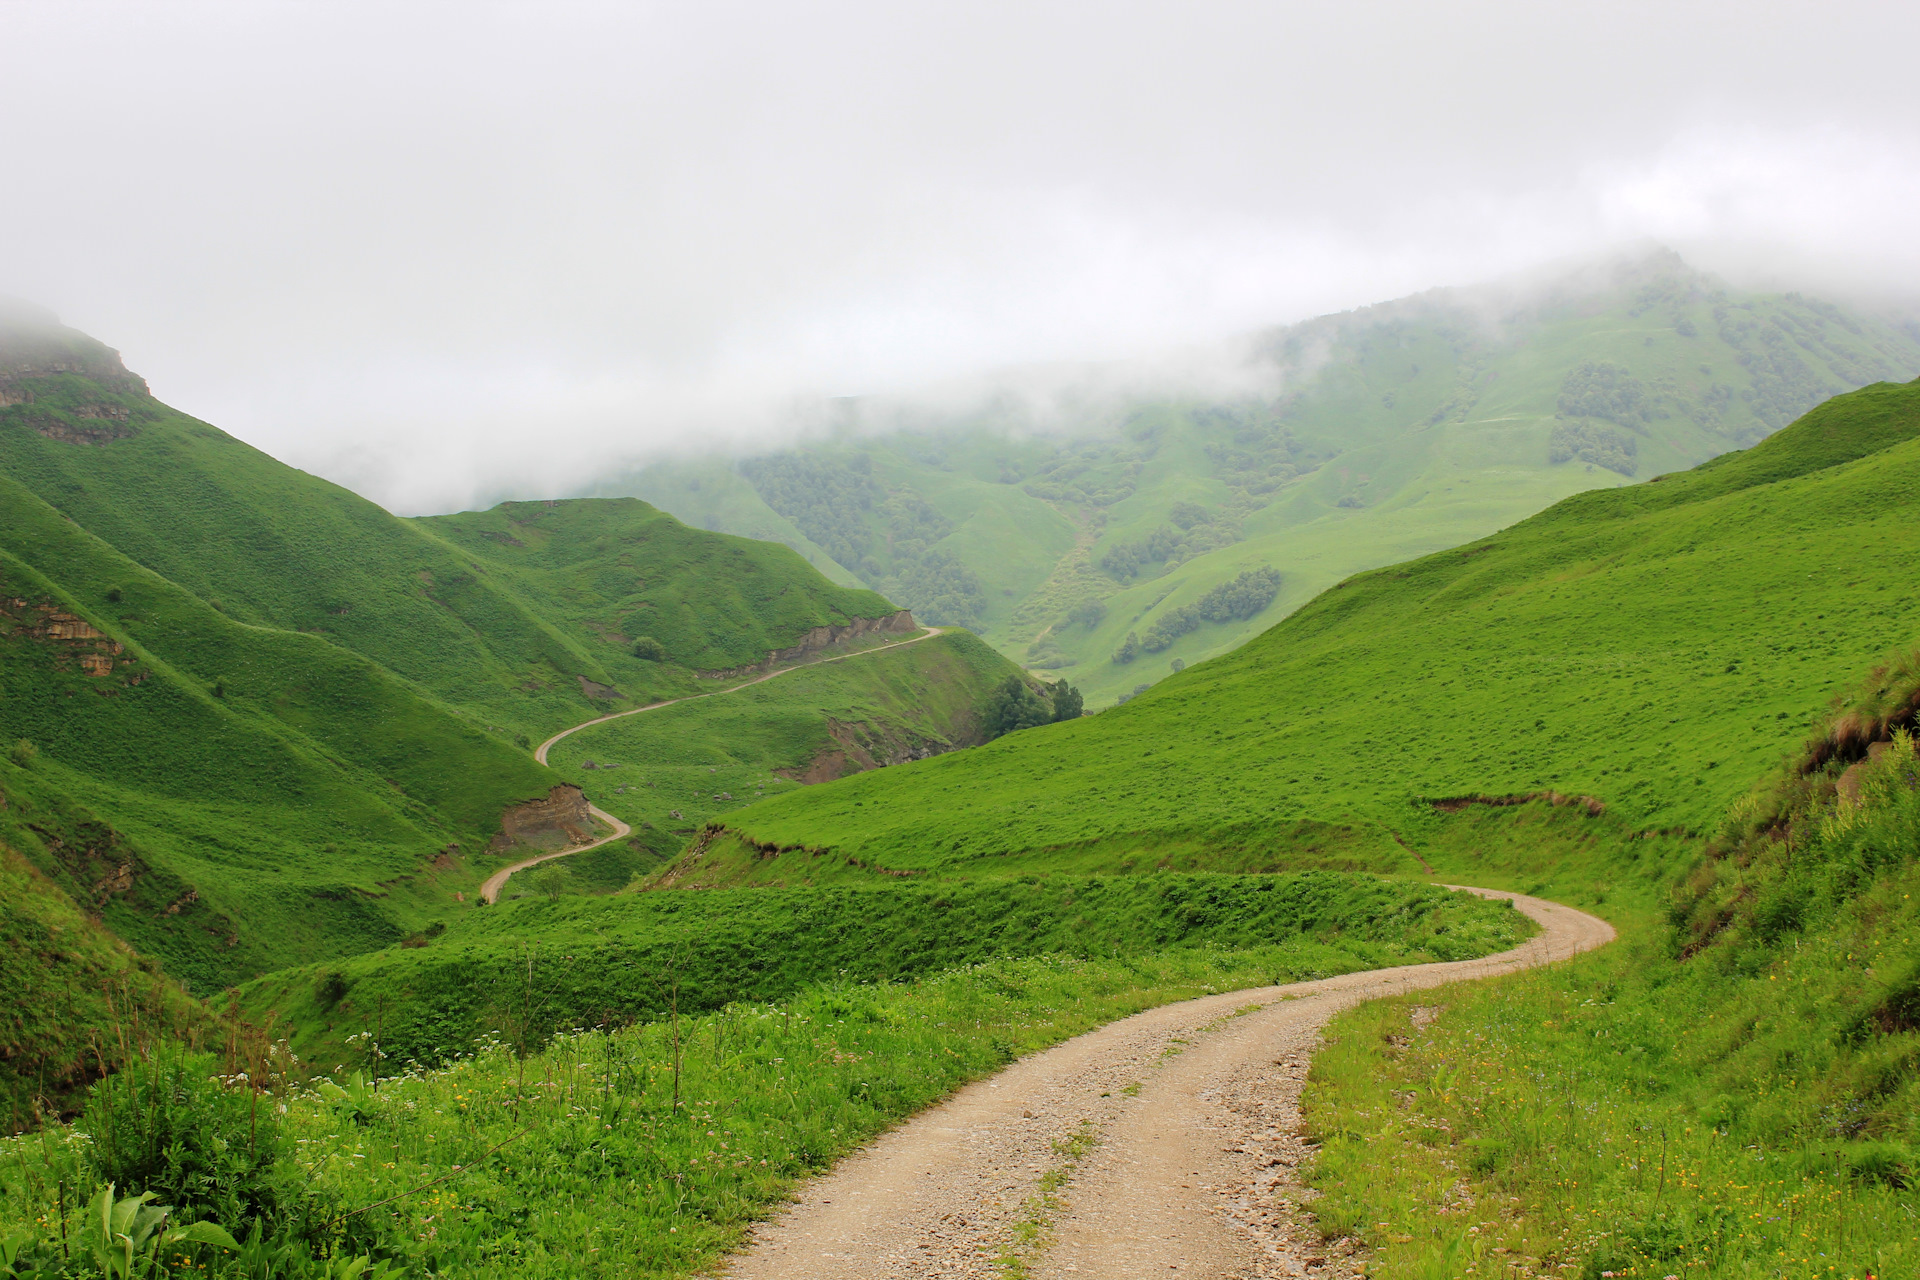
[1195,1108]
[490,889]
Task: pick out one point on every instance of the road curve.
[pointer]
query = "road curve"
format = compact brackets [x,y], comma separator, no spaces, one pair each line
[490,890]
[1195,1107]
[540,752]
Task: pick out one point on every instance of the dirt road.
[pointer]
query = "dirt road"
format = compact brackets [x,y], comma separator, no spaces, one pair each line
[540,752]
[490,890]
[1187,1114]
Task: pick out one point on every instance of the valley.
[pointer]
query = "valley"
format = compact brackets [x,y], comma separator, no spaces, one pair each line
[1057,512]
[570,888]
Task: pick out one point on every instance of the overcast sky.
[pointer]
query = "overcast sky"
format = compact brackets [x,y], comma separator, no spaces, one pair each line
[446,253]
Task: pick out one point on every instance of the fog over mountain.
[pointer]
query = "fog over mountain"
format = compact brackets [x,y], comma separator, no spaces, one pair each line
[446,254]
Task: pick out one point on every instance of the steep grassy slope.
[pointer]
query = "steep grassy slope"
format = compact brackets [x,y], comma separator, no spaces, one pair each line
[445,604]
[294,714]
[1656,647]
[1728,1091]
[618,569]
[1378,435]
[292,794]
[77,997]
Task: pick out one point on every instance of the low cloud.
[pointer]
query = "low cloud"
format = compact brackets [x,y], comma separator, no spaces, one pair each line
[446,255]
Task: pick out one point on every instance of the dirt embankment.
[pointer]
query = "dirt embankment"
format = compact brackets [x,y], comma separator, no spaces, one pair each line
[562,816]
[859,746]
[1454,804]
[819,639]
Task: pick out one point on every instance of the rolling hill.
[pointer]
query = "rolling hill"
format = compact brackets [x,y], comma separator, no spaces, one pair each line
[1059,522]
[1656,647]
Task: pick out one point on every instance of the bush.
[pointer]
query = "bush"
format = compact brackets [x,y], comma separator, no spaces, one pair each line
[169,1125]
[647,649]
[23,753]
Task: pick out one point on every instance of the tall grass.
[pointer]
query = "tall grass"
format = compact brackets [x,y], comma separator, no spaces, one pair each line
[647,1150]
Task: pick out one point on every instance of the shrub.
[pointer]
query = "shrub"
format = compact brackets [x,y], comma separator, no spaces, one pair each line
[168,1124]
[647,649]
[1088,614]
[23,753]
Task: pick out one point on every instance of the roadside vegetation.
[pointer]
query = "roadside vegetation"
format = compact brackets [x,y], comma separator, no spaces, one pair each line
[1730,1090]
[575,961]
[670,771]
[618,1146]
[1657,647]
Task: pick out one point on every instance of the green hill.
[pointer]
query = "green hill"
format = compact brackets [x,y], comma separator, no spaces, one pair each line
[502,614]
[293,719]
[1381,435]
[1656,647]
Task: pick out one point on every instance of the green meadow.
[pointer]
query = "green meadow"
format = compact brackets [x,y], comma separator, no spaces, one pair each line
[628,956]
[1682,703]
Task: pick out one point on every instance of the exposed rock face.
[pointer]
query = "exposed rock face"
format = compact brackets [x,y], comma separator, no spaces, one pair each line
[858,747]
[900,623]
[559,818]
[76,640]
[35,346]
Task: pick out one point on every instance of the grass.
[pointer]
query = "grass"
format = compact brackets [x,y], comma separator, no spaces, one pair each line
[293,717]
[628,956]
[285,798]
[1738,1100]
[649,1149]
[74,995]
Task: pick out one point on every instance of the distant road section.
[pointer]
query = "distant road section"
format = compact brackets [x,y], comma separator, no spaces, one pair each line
[490,891]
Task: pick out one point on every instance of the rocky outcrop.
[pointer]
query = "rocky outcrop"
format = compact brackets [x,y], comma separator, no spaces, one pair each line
[34,347]
[76,641]
[858,747]
[558,819]
[821,638]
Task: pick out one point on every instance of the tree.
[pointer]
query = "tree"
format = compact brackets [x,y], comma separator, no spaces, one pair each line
[1014,706]
[647,649]
[1067,702]
[1088,614]
[1128,650]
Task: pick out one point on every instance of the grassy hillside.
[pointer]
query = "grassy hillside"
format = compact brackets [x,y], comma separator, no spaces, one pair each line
[617,569]
[286,798]
[77,997]
[295,718]
[650,1149]
[1655,647]
[1381,435]
[669,771]
[502,614]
